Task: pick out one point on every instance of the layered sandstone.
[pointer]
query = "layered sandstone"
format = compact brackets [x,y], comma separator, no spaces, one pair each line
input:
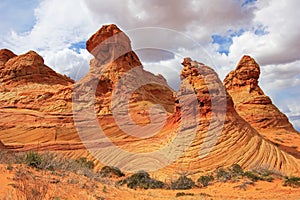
[223,137]
[257,109]
[128,117]
[35,101]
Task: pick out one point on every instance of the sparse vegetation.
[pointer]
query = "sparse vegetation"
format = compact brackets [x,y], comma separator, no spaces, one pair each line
[33,159]
[204,181]
[9,167]
[83,162]
[260,173]
[236,170]
[244,184]
[30,187]
[141,180]
[223,175]
[61,167]
[180,194]
[292,181]
[182,183]
[110,171]
[252,176]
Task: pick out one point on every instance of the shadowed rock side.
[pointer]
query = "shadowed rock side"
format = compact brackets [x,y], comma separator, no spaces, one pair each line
[2,146]
[257,109]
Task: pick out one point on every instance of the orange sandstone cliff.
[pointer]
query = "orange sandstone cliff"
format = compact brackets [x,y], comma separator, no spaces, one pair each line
[257,109]
[113,111]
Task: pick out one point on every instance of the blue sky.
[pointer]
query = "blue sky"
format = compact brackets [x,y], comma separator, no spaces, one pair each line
[17,15]
[224,31]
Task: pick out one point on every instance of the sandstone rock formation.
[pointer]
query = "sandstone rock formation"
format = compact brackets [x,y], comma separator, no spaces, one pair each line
[232,140]
[113,112]
[5,55]
[257,109]
[116,65]
[35,101]
[28,67]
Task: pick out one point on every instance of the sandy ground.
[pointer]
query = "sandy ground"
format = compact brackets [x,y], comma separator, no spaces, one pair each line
[73,186]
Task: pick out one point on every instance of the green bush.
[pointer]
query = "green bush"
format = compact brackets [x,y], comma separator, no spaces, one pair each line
[141,180]
[204,181]
[263,171]
[9,167]
[223,175]
[259,174]
[291,181]
[33,159]
[252,176]
[182,183]
[236,170]
[85,163]
[110,171]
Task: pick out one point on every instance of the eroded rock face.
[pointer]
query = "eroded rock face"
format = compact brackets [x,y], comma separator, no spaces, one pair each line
[5,55]
[44,111]
[29,67]
[254,106]
[229,138]
[115,62]
[27,83]
[108,43]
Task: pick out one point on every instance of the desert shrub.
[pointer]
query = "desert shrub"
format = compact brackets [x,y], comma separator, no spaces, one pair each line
[260,173]
[85,163]
[244,184]
[291,181]
[30,187]
[204,181]
[33,159]
[9,167]
[180,194]
[223,175]
[50,161]
[110,171]
[252,176]
[182,183]
[236,170]
[141,180]
[263,171]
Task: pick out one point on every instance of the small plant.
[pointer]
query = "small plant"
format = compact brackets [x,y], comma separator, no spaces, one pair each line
[223,175]
[104,189]
[141,180]
[236,170]
[182,183]
[260,173]
[291,181]
[30,187]
[180,194]
[85,163]
[33,159]
[204,181]
[9,167]
[244,184]
[252,176]
[110,171]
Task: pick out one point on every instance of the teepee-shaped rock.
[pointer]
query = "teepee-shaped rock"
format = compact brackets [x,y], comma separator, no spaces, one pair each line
[257,109]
